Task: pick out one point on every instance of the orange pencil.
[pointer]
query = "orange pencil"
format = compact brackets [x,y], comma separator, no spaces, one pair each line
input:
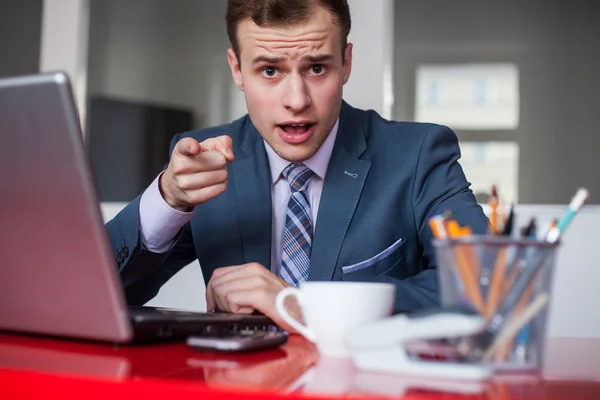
[493,202]
[465,269]
[471,256]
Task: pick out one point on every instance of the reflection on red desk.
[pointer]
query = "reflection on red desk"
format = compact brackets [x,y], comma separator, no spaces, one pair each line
[32,366]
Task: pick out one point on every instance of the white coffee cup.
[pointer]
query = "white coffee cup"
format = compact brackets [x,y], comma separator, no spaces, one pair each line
[332,309]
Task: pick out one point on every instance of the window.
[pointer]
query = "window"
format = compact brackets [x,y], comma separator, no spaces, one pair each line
[480,101]
[468,96]
[491,163]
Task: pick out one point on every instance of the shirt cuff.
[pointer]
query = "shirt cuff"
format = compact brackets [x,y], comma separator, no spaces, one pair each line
[159,222]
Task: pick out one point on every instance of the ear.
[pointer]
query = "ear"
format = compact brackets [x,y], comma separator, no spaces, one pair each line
[347,62]
[236,73]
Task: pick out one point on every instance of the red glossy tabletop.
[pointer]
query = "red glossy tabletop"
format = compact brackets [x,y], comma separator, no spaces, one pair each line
[40,367]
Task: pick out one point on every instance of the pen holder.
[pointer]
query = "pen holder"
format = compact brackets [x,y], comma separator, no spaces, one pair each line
[506,281]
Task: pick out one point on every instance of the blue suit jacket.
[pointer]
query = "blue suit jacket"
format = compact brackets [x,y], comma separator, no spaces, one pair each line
[384,181]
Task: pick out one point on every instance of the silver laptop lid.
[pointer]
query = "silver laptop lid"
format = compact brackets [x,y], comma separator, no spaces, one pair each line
[57,274]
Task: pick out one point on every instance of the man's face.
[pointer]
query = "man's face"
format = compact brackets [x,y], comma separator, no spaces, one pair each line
[292,77]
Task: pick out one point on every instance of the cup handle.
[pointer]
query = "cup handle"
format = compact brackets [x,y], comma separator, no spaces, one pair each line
[280,307]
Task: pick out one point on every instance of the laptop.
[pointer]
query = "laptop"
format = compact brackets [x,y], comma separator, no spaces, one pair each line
[57,272]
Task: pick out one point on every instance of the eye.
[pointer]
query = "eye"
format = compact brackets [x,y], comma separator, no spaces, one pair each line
[269,72]
[317,69]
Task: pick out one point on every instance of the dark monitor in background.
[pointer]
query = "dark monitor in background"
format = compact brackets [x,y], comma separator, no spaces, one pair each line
[128,143]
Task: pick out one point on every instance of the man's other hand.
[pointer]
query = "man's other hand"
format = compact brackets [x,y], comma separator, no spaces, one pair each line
[197,172]
[246,288]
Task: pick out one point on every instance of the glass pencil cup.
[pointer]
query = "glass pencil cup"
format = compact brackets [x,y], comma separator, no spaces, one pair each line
[508,282]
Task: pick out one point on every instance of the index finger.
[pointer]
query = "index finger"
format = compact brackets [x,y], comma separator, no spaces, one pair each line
[188,147]
[222,144]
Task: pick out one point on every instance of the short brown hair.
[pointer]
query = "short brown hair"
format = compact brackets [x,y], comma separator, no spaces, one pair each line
[282,12]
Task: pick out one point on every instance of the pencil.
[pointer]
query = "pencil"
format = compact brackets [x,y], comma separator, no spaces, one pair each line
[493,202]
[465,268]
[496,285]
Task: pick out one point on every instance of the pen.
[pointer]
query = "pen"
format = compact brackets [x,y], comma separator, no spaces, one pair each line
[530,231]
[553,225]
[522,338]
[516,264]
[437,227]
[509,222]
[574,206]
[514,324]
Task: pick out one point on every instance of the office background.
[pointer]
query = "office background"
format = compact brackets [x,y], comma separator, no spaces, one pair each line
[167,58]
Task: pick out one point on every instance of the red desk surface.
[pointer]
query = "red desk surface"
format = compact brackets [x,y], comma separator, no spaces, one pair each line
[44,367]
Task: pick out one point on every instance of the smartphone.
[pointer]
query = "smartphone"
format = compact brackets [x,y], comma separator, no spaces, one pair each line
[245,340]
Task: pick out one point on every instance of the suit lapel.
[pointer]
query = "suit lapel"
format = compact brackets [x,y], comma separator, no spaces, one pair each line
[346,176]
[253,196]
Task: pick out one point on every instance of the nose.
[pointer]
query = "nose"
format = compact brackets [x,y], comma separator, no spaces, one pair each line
[296,97]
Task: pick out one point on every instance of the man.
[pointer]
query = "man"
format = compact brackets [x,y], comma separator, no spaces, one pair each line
[304,187]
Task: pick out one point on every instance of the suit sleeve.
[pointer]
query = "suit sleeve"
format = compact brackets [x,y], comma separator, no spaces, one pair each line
[142,271]
[439,185]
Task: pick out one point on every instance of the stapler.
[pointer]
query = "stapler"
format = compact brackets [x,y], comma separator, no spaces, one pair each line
[383,345]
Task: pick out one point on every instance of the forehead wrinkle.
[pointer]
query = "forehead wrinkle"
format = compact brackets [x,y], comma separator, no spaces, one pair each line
[289,39]
[297,48]
[303,33]
[309,43]
[293,41]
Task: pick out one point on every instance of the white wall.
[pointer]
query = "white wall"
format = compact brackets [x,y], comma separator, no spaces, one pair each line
[65,43]
[371,83]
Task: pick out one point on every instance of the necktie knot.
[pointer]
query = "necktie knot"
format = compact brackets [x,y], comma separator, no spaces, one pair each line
[298,176]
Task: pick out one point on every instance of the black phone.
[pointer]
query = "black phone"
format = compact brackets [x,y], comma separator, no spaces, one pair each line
[240,341]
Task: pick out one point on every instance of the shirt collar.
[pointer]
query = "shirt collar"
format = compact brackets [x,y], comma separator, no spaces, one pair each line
[318,163]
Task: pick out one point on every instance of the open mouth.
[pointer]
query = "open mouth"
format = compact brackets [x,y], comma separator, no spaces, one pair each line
[296,133]
[296,129]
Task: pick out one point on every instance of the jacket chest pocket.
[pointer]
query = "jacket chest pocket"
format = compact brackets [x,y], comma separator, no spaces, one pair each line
[379,264]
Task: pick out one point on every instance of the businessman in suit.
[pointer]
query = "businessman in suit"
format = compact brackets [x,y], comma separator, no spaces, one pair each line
[304,187]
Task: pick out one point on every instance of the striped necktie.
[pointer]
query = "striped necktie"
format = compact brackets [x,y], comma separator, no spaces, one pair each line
[297,235]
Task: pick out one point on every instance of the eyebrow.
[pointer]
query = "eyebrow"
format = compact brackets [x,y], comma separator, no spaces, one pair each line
[319,58]
[276,60]
[266,59]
